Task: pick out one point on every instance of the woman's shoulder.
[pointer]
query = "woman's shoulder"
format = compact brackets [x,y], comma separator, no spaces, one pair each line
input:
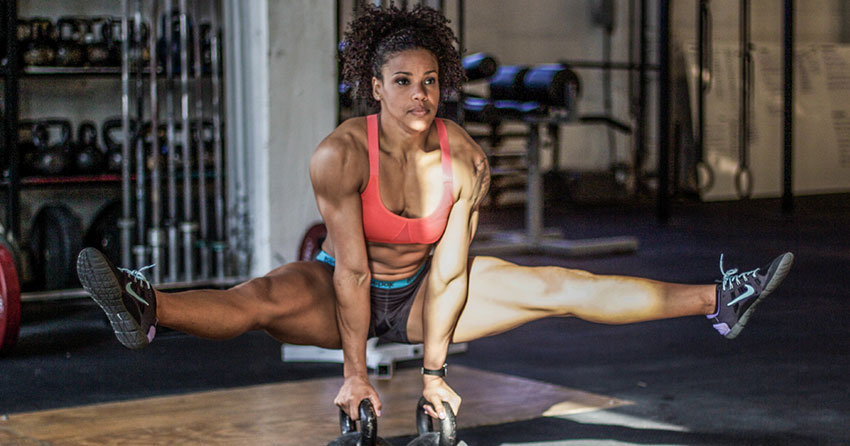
[469,158]
[343,150]
[463,146]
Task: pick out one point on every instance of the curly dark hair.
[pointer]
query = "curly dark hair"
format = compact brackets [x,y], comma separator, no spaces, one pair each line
[378,33]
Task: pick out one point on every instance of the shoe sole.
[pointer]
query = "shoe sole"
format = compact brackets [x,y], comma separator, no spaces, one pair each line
[98,280]
[778,277]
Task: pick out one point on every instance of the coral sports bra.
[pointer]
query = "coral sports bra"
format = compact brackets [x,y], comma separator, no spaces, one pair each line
[382,226]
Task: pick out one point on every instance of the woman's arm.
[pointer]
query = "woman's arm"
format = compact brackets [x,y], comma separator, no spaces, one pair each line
[446,290]
[335,173]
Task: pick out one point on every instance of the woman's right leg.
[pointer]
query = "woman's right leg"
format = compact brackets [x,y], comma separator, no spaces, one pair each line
[294,303]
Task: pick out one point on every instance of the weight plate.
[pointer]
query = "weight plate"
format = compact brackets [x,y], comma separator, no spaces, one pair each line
[312,242]
[104,233]
[10,301]
[55,242]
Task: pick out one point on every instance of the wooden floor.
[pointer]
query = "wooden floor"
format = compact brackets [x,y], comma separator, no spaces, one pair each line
[291,413]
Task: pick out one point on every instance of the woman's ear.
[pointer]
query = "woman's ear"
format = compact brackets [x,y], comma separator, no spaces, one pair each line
[376,88]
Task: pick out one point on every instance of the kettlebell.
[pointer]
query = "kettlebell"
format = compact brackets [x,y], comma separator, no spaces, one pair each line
[114,145]
[368,426]
[96,43]
[427,437]
[51,160]
[26,146]
[69,50]
[88,158]
[41,49]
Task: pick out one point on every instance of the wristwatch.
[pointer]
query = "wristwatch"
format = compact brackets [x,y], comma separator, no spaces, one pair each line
[441,372]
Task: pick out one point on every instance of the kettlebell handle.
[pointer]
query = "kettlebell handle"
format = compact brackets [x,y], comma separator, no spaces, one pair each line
[368,423]
[448,426]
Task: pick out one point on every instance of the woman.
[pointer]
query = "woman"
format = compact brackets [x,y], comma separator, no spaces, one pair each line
[399,192]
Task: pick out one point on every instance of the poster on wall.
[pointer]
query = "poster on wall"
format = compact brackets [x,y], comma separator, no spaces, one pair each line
[821,119]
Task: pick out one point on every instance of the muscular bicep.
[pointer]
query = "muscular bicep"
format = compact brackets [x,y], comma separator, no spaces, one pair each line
[336,185]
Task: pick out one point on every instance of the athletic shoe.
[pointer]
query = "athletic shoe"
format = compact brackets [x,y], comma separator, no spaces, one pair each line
[739,293]
[125,296]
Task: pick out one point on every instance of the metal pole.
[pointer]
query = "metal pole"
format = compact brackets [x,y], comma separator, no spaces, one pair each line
[10,135]
[788,126]
[188,226]
[141,218]
[126,222]
[201,150]
[700,81]
[156,234]
[663,110]
[534,200]
[640,130]
[173,248]
[215,66]
[743,178]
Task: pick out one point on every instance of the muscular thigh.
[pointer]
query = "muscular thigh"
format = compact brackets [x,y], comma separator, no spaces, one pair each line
[298,304]
[501,296]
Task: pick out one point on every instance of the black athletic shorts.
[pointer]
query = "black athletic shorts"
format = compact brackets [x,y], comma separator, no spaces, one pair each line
[391,302]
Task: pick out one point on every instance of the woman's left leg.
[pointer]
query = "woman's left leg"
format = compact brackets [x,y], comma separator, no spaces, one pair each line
[503,295]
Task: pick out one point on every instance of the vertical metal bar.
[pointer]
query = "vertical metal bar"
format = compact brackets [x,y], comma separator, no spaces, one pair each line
[788,125]
[218,161]
[141,215]
[663,210]
[10,135]
[188,226]
[155,236]
[201,150]
[700,80]
[640,130]
[743,175]
[173,247]
[534,200]
[126,222]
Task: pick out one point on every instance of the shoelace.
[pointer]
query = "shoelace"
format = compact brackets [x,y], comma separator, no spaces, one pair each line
[137,275]
[733,276]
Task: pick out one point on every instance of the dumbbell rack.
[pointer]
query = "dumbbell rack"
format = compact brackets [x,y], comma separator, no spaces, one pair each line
[535,238]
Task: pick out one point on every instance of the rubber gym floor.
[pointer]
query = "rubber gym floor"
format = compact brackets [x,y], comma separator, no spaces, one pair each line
[784,381]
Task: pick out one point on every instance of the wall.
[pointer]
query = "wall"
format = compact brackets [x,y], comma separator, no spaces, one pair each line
[282,102]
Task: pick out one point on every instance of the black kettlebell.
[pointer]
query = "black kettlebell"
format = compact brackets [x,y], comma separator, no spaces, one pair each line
[88,158]
[114,144]
[95,42]
[41,49]
[368,426]
[26,146]
[51,159]
[69,37]
[427,437]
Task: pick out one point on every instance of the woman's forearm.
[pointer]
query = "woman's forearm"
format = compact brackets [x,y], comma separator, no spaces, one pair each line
[443,304]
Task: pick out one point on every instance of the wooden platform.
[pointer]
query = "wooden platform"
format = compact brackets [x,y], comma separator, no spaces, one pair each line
[291,413]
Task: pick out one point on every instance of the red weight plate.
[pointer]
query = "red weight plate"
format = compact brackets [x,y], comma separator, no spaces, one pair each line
[312,242]
[10,301]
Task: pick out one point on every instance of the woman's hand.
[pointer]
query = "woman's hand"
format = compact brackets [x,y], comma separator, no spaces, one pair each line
[354,390]
[436,391]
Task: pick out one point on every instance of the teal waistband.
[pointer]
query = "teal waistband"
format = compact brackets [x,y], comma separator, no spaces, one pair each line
[324,257]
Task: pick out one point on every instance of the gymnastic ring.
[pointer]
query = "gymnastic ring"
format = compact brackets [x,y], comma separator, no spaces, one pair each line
[740,183]
[705,177]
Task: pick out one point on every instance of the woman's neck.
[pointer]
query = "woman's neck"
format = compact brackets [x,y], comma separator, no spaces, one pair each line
[400,139]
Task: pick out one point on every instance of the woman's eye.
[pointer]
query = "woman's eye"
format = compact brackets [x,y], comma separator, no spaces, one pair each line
[430,81]
[402,81]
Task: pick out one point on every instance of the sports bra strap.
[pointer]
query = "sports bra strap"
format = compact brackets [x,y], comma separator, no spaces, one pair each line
[445,151]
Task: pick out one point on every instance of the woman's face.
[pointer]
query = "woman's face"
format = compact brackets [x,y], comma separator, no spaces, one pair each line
[410,90]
